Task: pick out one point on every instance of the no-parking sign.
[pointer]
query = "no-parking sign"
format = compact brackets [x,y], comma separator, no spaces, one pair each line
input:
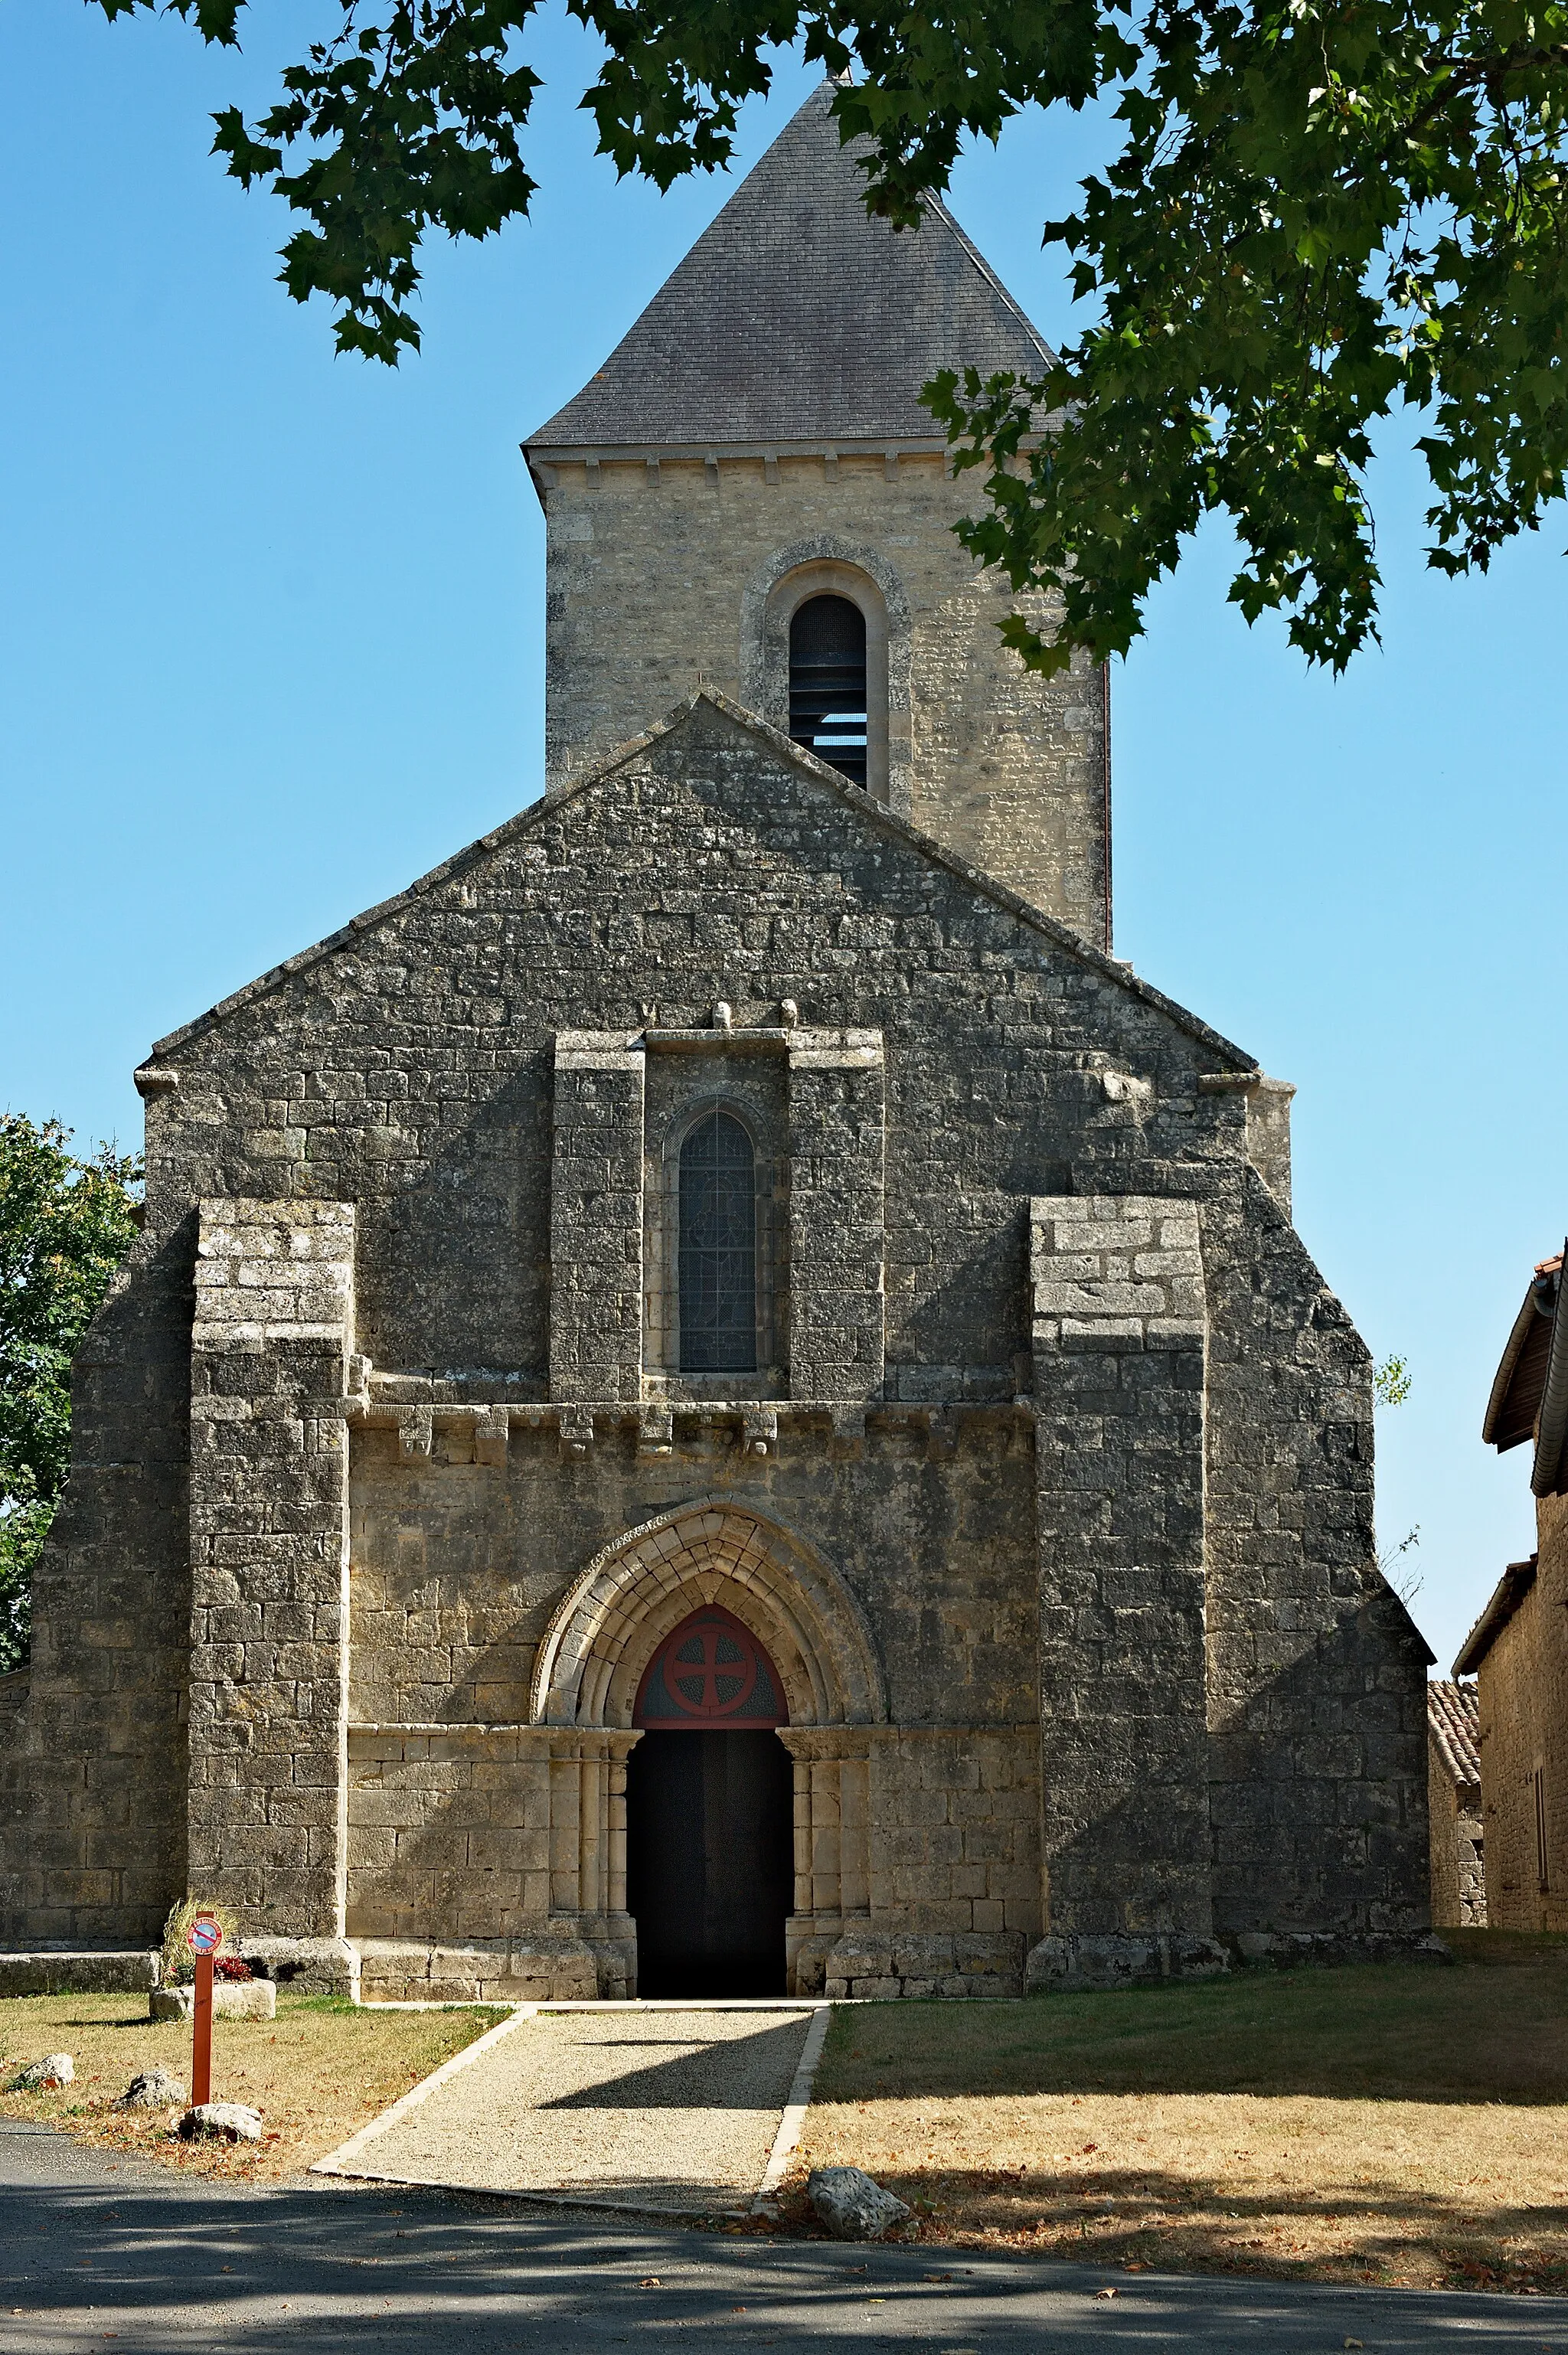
[204,1935]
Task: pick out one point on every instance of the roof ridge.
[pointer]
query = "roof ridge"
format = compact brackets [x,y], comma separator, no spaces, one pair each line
[854,797]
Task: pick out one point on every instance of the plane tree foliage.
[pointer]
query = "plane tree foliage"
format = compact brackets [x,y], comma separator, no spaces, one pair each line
[1313,215]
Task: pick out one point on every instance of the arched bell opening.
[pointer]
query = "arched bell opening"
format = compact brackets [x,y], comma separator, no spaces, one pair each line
[828,693]
[710,1814]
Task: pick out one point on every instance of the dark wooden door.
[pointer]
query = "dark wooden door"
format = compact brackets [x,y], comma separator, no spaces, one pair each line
[709,1861]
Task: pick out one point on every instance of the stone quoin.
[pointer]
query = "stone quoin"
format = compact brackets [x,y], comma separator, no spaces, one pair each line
[745,1190]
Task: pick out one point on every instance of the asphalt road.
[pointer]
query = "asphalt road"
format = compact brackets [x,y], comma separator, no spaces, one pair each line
[98,2253]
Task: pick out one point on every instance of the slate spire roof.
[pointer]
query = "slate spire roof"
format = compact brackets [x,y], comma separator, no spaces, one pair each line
[795,317]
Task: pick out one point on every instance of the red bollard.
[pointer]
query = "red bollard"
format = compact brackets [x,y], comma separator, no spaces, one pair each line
[205,1937]
[201,2055]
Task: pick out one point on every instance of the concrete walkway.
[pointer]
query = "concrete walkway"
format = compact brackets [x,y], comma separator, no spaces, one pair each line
[665,2110]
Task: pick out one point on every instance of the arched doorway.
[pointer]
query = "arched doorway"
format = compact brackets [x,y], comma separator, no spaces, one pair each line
[710,1835]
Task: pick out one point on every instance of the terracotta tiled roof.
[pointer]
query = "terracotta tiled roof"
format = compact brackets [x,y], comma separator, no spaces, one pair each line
[798,318]
[1452,1719]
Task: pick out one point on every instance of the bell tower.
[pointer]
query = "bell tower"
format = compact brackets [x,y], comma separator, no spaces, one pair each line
[749,488]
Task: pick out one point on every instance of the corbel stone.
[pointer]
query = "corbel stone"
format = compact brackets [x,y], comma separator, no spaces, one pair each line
[576,1432]
[759,1431]
[415,1431]
[492,1431]
[849,1431]
[941,1433]
[656,1431]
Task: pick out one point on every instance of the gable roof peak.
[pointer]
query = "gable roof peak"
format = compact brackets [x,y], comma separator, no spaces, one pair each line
[798,318]
[153,1078]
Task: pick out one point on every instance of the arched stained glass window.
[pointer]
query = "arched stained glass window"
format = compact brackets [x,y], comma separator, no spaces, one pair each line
[827,682]
[717,1248]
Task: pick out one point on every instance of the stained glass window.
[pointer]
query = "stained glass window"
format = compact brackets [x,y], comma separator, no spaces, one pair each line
[717,1248]
[711,1671]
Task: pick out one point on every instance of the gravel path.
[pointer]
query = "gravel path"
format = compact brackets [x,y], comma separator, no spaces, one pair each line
[669,2111]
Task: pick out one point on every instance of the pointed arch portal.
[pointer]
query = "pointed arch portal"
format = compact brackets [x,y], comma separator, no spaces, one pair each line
[709,1807]
[706,1630]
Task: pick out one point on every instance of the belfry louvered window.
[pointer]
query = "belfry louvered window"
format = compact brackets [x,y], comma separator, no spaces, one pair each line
[717,1248]
[827,682]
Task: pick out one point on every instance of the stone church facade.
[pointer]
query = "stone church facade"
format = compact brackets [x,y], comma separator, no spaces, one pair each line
[717,1394]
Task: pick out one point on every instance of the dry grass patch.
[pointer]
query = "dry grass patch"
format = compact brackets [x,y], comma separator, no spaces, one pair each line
[319,2071]
[1390,2124]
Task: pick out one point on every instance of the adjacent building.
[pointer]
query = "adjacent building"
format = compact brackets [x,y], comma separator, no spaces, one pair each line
[1518,1649]
[1454,1800]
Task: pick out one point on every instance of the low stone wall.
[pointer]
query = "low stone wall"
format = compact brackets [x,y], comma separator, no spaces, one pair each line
[79,1971]
[1132,1959]
[309,1965]
[231,1999]
[541,1970]
[1113,1959]
[1287,1950]
[866,1963]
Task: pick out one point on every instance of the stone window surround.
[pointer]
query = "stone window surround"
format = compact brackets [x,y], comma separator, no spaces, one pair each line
[663,1373]
[825,564]
[834,1141]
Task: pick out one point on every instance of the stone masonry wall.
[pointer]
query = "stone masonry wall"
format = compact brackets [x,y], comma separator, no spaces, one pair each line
[406,1070]
[1457,1852]
[269,1513]
[1119,1325]
[655,575]
[1119,1456]
[500,1835]
[596,1219]
[458,1566]
[839,1151]
[1522,1699]
[1317,1675]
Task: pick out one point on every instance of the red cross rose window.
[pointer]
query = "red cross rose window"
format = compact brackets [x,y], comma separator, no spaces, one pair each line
[711,1672]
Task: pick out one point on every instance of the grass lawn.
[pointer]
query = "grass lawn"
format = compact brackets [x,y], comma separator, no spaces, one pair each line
[317,2072]
[1391,2123]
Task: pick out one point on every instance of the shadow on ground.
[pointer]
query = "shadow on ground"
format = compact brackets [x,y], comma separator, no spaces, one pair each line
[91,2252]
[1381,2032]
[724,2076]
[1381,2233]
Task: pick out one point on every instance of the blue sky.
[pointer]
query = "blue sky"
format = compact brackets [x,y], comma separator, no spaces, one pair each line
[271,647]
